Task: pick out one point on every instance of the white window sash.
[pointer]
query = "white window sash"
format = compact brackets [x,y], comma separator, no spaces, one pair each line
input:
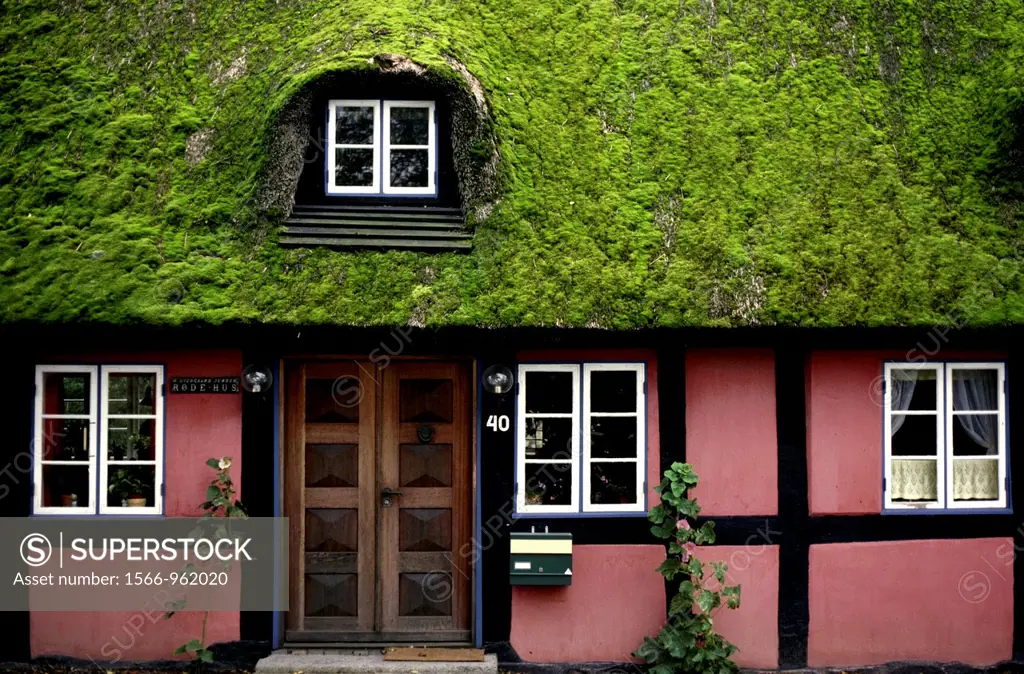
[332,145]
[521,461]
[939,457]
[430,147]
[1000,370]
[641,438]
[944,436]
[158,440]
[41,441]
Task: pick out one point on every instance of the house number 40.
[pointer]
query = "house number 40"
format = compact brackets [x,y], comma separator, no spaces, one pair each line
[498,423]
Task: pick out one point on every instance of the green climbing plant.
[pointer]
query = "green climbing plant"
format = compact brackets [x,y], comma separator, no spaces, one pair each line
[688,641]
[220,503]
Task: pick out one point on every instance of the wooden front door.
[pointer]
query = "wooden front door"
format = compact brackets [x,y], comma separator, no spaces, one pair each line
[378,491]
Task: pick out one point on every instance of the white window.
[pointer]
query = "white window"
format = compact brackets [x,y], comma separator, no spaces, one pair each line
[581,438]
[381,147]
[98,440]
[945,436]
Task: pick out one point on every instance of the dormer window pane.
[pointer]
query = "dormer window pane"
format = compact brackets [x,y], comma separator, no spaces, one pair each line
[409,126]
[353,166]
[409,168]
[381,148]
[354,125]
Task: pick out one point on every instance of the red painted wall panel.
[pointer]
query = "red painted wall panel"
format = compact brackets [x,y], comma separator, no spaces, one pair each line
[125,636]
[197,427]
[730,430]
[844,432]
[754,626]
[941,600]
[616,599]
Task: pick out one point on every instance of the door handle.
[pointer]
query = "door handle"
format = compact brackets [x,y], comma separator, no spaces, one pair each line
[387,496]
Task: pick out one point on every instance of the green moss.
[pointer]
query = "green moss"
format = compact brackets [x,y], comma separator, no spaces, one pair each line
[663,163]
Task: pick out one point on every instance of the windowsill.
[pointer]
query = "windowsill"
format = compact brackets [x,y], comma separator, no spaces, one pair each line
[579,515]
[92,516]
[948,511]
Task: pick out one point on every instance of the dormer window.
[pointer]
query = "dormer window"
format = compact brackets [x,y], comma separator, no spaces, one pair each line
[381,147]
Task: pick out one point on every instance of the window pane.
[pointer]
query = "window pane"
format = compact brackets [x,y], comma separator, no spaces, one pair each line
[353,125]
[976,480]
[549,392]
[65,440]
[65,486]
[131,486]
[975,390]
[353,167]
[409,168]
[914,480]
[66,393]
[612,483]
[914,435]
[409,126]
[612,391]
[548,438]
[913,389]
[131,393]
[975,434]
[613,437]
[548,484]
[130,439]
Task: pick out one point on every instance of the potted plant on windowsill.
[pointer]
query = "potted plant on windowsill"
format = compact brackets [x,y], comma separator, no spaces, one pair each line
[129,487]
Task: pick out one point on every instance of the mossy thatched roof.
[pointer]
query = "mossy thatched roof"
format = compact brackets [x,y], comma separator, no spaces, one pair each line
[662,162]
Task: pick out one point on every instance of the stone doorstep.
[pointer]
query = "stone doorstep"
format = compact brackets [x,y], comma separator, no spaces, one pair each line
[326,661]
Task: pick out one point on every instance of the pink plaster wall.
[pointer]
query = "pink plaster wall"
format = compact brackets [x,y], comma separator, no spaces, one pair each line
[940,600]
[621,355]
[616,599]
[844,432]
[124,636]
[730,430]
[754,626]
[844,425]
[197,427]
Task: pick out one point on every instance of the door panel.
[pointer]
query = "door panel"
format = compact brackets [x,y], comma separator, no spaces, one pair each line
[330,482]
[369,570]
[425,455]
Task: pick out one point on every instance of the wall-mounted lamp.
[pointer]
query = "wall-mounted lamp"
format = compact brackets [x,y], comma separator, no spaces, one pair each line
[257,378]
[498,379]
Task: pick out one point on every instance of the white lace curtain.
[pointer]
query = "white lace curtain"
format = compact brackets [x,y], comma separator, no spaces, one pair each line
[973,479]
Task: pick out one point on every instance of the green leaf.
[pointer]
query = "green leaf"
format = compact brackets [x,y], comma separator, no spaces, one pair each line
[205,655]
[179,650]
[193,645]
[212,492]
[213,463]
[706,600]
[669,568]
[681,602]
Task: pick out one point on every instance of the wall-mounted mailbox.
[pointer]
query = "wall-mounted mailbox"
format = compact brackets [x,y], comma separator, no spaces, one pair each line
[540,558]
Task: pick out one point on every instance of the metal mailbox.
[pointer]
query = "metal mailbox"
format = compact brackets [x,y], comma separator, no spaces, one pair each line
[540,558]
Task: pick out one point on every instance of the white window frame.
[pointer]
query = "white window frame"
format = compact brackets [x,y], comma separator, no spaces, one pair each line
[521,460]
[944,436]
[430,147]
[158,440]
[98,437]
[1000,369]
[41,442]
[641,437]
[332,145]
[581,441]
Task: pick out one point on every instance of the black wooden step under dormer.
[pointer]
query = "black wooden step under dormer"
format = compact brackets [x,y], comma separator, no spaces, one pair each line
[395,227]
